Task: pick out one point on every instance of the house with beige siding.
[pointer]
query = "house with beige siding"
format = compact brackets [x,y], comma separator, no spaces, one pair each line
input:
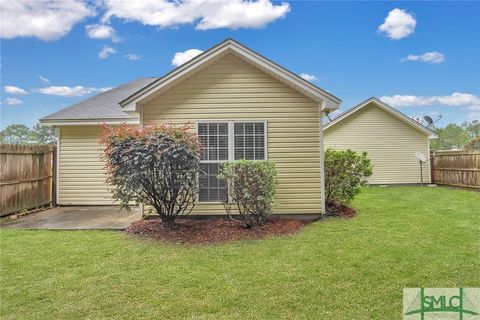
[241,105]
[390,138]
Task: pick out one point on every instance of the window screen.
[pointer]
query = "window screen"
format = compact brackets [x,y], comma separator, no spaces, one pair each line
[249,138]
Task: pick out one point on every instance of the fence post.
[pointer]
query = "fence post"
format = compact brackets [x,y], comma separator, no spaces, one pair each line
[432,167]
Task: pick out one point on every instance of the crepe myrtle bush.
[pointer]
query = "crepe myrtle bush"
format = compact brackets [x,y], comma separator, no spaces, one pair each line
[251,189]
[473,145]
[155,165]
[345,172]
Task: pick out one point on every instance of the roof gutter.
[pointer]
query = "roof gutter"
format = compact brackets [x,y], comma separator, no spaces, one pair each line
[88,122]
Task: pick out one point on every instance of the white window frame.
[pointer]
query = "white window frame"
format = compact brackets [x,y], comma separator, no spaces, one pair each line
[231,143]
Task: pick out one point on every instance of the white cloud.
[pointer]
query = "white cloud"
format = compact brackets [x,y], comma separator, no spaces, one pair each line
[308,77]
[206,14]
[44,19]
[106,51]
[14,101]
[467,101]
[14,90]
[398,24]
[181,57]
[429,57]
[43,79]
[473,115]
[474,112]
[455,99]
[132,56]
[101,31]
[241,14]
[65,91]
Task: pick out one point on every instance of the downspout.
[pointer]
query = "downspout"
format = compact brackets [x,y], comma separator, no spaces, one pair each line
[57,169]
[321,108]
[142,207]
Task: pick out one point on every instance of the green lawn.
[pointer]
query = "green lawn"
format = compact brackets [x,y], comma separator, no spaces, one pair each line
[335,269]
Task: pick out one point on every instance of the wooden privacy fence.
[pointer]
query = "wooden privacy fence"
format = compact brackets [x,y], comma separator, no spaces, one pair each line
[456,168]
[27,177]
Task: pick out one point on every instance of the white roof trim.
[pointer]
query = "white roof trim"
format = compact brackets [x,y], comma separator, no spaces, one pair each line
[329,101]
[394,112]
[87,122]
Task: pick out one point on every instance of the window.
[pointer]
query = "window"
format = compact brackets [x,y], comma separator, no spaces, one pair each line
[214,140]
[249,140]
[210,188]
[222,141]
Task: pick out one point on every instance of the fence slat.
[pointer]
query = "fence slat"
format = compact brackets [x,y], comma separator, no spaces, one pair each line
[456,168]
[26,177]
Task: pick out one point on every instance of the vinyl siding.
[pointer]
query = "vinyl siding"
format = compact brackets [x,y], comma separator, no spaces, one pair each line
[232,89]
[81,171]
[391,144]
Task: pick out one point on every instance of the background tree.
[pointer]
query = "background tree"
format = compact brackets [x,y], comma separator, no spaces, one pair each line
[473,145]
[43,134]
[450,137]
[21,134]
[472,128]
[16,134]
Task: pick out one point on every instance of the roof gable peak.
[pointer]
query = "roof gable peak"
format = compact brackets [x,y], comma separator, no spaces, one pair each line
[389,109]
[327,100]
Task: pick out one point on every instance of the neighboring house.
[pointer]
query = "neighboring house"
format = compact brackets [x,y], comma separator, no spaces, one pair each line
[242,105]
[390,138]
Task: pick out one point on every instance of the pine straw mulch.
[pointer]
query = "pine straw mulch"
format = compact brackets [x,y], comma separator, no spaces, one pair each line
[209,231]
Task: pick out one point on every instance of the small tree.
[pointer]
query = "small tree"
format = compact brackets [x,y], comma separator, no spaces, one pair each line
[251,189]
[345,173]
[156,165]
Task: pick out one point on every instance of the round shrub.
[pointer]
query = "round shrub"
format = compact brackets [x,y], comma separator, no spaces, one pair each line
[345,172]
[251,189]
[155,165]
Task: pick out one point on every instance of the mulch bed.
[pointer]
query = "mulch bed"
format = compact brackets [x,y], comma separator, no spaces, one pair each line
[205,231]
[341,210]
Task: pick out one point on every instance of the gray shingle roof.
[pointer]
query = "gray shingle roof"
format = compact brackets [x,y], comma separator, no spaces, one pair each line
[102,106]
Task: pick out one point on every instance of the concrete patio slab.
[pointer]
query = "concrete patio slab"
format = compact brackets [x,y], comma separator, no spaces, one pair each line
[76,218]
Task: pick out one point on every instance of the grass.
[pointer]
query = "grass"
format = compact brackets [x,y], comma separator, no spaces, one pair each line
[336,269]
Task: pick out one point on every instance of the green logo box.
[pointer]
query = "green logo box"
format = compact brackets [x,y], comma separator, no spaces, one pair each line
[441,303]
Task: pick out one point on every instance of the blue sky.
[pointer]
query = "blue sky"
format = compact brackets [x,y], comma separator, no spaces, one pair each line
[421,57]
